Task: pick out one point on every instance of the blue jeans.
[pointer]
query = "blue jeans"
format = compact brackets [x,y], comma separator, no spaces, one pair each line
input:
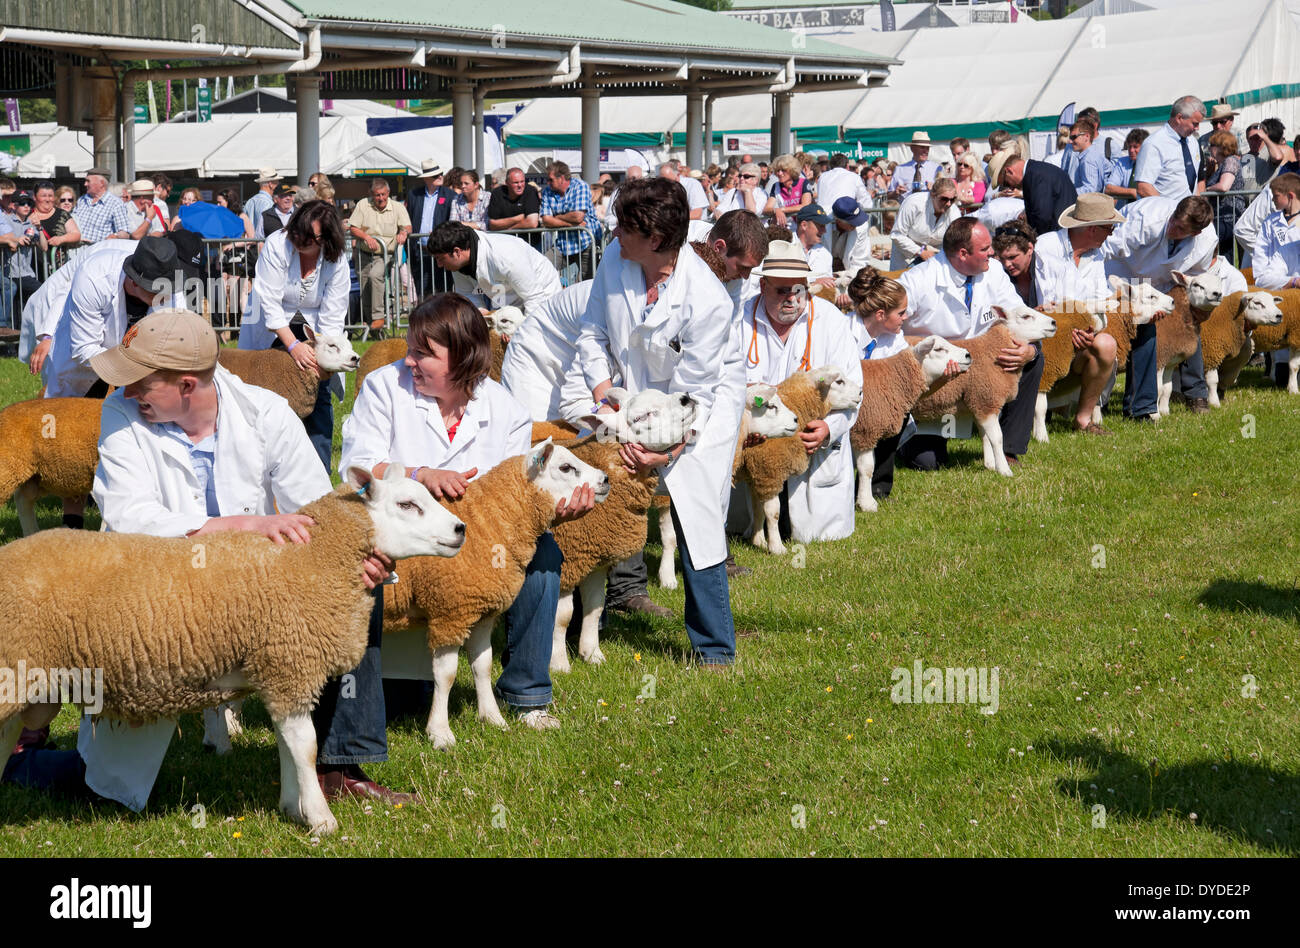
[320,425]
[525,681]
[349,718]
[708,607]
[1190,378]
[47,769]
[1140,387]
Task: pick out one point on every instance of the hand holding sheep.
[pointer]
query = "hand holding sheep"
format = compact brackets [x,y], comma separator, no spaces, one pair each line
[444,484]
[581,503]
[639,460]
[1081,338]
[304,357]
[1014,358]
[275,527]
[814,435]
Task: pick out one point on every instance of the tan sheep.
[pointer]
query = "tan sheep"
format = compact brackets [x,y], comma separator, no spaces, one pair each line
[505,511]
[501,325]
[1284,335]
[216,619]
[1178,335]
[51,449]
[274,369]
[890,387]
[986,386]
[1227,336]
[1058,350]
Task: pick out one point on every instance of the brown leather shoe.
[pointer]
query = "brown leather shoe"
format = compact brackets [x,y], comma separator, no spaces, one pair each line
[641,604]
[353,782]
[1198,406]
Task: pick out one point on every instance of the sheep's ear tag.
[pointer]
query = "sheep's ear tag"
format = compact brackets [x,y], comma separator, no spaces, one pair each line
[758,401]
[361,491]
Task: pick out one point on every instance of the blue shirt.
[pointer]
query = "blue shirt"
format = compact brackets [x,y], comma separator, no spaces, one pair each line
[576,198]
[202,456]
[1160,162]
[100,219]
[1089,171]
[254,208]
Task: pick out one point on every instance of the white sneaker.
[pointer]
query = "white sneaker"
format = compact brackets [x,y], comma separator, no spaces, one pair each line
[539,719]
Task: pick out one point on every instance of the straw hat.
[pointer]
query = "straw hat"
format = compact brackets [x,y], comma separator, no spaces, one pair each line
[141,187]
[997,163]
[267,175]
[920,138]
[785,260]
[1221,111]
[1090,210]
[430,169]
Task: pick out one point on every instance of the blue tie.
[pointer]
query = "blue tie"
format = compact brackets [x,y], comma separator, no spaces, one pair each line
[1188,166]
[970,291]
[871,347]
[1173,245]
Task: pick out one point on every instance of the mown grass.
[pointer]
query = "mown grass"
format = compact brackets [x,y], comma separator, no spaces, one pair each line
[1121,685]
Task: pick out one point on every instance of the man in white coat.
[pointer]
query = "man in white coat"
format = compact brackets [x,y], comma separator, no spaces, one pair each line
[543,350]
[835,184]
[786,330]
[658,318]
[922,219]
[499,269]
[187,449]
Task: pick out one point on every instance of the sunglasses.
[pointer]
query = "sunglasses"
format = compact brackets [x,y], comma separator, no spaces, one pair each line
[67,201]
[789,290]
[749,176]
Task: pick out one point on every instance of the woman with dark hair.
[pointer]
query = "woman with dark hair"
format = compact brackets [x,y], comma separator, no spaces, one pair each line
[300,291]
[660,319]
[438,415]
[1013,245]
[56,223]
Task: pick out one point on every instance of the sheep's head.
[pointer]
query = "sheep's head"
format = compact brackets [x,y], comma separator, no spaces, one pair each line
[1140,299]
[506,320]
[558,471]
[653,419]
[1204,291]
[934,353]
[335,354]
[768,415]
[1025,324]
[1260,308]
[408,521]
[837,390]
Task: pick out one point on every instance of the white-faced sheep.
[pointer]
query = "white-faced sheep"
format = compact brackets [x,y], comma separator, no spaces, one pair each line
[187,638]
[767,466]
[1178,335]
[890,387]
[986,387]
[51,448]
[1284,335]
[1227,336]
[505,511]
[616,529]
[764,414]
[274,369]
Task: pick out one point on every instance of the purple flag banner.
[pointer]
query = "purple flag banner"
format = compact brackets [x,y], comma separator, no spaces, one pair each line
[11,113]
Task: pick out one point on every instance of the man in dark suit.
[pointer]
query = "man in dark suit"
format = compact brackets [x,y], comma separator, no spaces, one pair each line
[429,205]
[1047,189]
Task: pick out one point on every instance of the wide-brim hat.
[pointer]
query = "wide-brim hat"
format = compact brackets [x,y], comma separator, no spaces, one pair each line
[1222,110]
[785,260]
[997,163]
[920,138]
[172,339]
[1090,210]
[189,251]
[430,169]
[267,175]
[849,211]
[153,264]
[141,187]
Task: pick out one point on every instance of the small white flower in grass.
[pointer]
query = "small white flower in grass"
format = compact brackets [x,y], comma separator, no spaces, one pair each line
[974,822]
[1193,817]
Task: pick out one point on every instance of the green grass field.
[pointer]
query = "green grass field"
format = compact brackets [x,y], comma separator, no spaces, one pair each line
[1137,594]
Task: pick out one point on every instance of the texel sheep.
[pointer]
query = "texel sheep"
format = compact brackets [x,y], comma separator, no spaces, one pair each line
[1178,335]
[767,466]
[1059,351]
[51,449]
[1227,336]
[764,414]
[986,386]
[274,369]
[616,529]
[505,511]
[1284,335]
[890,387]
[193,632]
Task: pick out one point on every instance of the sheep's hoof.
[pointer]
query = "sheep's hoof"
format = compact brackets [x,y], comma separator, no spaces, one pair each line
[325,827]
[777,548]
[868,503]
[670,583]
[594,657]
[561,665]
[442,740]
[759,540]
[494,718]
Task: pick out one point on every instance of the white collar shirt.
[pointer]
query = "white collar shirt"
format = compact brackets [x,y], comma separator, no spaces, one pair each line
[918,226]
[1160,163]
[936,299]
[1138,249]
[1276,255]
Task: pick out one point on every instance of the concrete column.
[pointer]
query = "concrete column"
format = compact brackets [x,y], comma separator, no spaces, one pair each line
[308,93]
[462,124]
[128,132]
[104,123]
[480,135]
[590,134]
[695,129]
[783,139]
[708,133]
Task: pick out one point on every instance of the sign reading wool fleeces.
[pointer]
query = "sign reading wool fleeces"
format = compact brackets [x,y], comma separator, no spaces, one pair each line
[806,18]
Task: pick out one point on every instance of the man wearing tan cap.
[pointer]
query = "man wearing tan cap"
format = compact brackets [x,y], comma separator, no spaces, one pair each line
[262,201]
[186,449]
[1068,265]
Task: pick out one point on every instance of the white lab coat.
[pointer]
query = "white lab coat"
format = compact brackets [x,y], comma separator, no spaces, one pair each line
[392,422]
[510,273]
[1139,250]
[917,227]
[835,184]
[1056,276]
[543,350]
[94,319]
[145,483]
[821,499]
[44,308]
[999,211]
[278,294]
[687,344]
[853,247]
[1251,223]
[1276,253]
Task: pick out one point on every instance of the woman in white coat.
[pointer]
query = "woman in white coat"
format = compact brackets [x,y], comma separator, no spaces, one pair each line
[785,330]
[438,415]
[502,269]
[302,280]
[660,319]
[543,350]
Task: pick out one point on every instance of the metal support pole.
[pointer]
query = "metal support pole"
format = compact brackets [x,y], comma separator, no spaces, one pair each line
[308,93]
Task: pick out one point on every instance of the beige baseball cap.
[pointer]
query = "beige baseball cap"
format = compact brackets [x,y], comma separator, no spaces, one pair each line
[173,339]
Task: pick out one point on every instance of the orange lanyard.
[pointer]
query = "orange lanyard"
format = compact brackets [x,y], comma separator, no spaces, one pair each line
[751,358]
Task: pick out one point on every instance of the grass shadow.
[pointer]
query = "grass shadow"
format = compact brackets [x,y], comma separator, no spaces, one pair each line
[1234,595]
[1239,799]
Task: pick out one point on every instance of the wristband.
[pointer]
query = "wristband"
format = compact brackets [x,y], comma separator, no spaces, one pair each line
[413,475]
[292,344]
